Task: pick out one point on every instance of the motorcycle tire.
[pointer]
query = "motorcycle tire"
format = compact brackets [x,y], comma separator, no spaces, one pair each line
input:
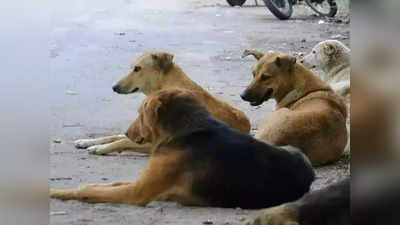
[282,9]
[236,2]
[331,7]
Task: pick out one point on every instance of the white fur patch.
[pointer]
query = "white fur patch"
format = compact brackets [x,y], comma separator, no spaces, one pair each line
[85,143]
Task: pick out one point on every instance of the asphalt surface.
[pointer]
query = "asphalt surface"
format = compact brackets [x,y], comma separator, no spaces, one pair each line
[91,47]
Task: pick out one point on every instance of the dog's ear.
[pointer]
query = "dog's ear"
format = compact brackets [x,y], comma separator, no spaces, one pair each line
[149,114]
[258,55]
[150,111]
[285,62]
[330,49]
[163,61]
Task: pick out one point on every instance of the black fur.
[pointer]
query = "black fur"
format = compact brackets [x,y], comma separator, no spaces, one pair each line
[328,206]
[230,168]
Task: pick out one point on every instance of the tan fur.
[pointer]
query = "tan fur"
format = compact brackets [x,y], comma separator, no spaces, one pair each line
[280,215]
[309,114]
[163,177]
[157,71]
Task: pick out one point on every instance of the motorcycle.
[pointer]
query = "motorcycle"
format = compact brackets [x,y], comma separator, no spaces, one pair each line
[283,9]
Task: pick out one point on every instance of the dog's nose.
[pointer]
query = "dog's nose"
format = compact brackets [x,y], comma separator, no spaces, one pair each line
[245,96]
[116,88]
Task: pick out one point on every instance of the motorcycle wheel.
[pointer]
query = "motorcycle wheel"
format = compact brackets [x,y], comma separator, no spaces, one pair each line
[325,8]
[282,9]
[236,2]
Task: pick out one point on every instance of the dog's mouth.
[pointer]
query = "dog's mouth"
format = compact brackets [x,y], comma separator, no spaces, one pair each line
[133,91]
[266,97]
[139,140]
[117,89]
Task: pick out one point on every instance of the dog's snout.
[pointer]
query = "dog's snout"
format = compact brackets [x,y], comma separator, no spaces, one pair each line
[245,96]
[116,88]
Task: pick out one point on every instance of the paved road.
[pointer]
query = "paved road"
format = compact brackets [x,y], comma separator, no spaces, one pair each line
[92,45]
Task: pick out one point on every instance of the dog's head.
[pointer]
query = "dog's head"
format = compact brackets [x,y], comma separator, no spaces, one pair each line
[165,112]
[272,77]
[323,54]
[145,73]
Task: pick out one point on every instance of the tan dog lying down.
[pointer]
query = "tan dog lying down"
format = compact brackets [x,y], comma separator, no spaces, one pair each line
[333,58]
[309,114]
[199,160]
[153,72]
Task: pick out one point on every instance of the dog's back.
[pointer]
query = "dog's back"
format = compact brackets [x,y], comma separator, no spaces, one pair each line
[232,169]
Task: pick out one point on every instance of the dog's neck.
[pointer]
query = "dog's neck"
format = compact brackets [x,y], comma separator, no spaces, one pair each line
[336,64]
[305,82]
[175,78]
[331,75]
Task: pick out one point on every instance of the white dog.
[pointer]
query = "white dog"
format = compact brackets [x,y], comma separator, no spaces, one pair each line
[333,58]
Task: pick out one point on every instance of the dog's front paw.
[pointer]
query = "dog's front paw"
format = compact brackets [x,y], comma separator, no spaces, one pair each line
[280,215]
[97,150]
[83,143]
[62,194]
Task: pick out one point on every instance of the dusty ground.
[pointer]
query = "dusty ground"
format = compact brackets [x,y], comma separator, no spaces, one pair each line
[92,45]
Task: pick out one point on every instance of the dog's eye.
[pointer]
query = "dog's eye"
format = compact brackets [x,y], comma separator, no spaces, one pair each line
[265,77]
[314,52]
[137,68]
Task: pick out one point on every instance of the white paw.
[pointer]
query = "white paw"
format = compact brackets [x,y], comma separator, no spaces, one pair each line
[84,143]
[97,150]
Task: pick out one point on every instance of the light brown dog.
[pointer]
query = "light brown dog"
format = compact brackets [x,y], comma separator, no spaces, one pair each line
[199,160]
[309,114]
[153,72]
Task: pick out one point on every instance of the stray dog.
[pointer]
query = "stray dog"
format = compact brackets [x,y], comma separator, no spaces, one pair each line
[309,114]
[153,72]
[199,160]
[333,58]
[328,206]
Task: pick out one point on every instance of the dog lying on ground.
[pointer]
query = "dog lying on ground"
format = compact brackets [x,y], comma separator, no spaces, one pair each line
[309,114]
[153,72]
[199,160]
[333,58]
[328,206]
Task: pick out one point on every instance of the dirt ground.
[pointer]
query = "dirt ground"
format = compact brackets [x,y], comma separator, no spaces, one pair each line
[91,47]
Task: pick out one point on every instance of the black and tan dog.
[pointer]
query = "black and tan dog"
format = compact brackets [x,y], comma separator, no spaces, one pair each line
[199,160]
[309,114]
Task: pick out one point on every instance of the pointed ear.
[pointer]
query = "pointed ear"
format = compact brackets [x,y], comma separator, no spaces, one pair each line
[258,55]
[163,61]
[285,62]
[330,49]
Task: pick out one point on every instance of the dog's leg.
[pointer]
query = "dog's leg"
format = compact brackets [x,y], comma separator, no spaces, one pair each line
[85,143]
[114,184]
[119,146]
[284,214]
[159,176]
